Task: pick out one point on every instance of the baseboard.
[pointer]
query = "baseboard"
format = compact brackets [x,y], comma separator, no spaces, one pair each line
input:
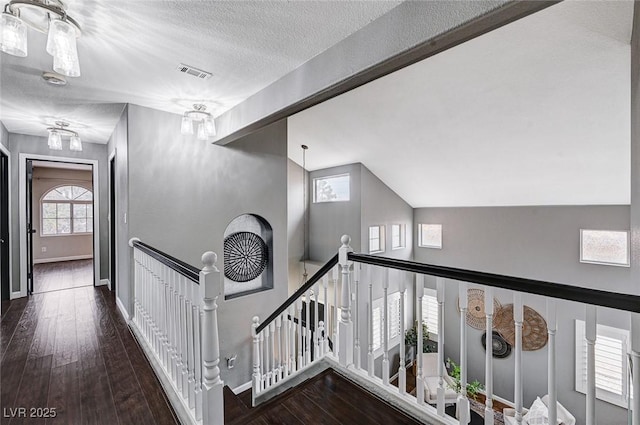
[58,259]
[241,388]
[104,282]
[123,310]
[17,294]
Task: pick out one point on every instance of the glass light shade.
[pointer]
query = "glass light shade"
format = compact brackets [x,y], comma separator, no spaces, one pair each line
[187,125]
[55,141]
[61,43]
[75,144]
[202,133]
[210,126]
[13,35]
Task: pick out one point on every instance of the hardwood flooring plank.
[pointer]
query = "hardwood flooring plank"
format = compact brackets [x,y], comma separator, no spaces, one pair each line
[48,277]
[33,391]
[64,394]
[277,414]
[234,408]
[9,322]
[309,412]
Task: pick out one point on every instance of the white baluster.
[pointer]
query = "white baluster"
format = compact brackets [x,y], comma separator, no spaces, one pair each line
[256,379]
[419,377]
[345,353]
[441,384]
[191,378]
[356,315]
[370,356]
[321,345]
[292,339]
[488,309]
[307,327]
[183,340]
[551,368]
[279,339]
[518,385]
[385,328]
[287,344]
[268,351]
[263,362]
[334,276]
[210,286]
[325,316]
[315,322]
[402,372]
[197,313]
[300,330]
[590,334]
[464,416]
[635,370]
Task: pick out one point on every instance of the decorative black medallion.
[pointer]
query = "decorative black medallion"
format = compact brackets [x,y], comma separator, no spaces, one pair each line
[245,256]
[501,348]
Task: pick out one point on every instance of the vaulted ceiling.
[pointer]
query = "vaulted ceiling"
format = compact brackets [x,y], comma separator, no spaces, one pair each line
[129,52]
[534,113]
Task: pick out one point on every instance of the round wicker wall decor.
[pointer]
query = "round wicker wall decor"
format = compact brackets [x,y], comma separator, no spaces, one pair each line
[534,327]
[245,256]
[476,316]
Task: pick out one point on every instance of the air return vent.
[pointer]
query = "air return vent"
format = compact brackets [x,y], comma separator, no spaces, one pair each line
[195,72]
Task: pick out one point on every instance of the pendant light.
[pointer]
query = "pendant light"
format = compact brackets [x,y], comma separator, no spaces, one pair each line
[56,133]
[198,115]
[13,35]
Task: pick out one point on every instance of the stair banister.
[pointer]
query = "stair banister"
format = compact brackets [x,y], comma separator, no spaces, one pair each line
[441,384]
[463,401]
[518,384]
[551,364]
[345,333]
[402,372]
[419,356]
[488,306]
[590,335]
[385,328]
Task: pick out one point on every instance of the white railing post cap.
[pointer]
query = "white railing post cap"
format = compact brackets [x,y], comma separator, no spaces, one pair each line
[133,240]
[209,260]
[344,249]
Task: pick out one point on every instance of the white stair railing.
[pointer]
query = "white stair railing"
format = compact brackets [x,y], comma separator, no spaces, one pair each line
[175,320]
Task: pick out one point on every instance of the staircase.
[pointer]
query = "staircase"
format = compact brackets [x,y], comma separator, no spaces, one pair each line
[326,398]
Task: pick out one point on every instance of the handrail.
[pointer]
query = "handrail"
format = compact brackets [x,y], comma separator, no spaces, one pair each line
[187,270]
[312,281]
[597,297]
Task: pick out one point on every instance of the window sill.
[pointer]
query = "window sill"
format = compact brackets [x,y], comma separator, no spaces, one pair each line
[66,235]
[376,252]
[430,246]
[396,248]
[602,263]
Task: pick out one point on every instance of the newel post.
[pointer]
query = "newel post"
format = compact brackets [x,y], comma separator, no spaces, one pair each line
[210,289]
[345,330]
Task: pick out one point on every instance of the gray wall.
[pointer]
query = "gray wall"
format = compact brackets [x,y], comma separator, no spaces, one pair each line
[295,227]
[184,192]
[118,143]
[328,221]
[532,242]
[4,136]
[19,143]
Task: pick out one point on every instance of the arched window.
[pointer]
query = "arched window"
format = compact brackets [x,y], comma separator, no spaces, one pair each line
[67,210]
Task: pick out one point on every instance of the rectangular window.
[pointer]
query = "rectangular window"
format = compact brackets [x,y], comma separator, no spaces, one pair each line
[430,310]
[63,218]
[376,239]
[430,235]
[604,247]
[331,188]
[397,236]
[393,306]
[611,363]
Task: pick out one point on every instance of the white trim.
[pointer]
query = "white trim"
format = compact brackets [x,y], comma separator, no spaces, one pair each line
[123,310]
[104,282]
[331,177]
[12,295]
[23,211]
[58,259]
[420,245]
[241,388]
[114,158]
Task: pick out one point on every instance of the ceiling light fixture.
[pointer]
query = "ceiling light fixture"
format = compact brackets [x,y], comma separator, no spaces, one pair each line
[199,114]
[56,133]
[49,17]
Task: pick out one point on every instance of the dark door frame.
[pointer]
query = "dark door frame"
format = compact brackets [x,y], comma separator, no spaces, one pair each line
[113,222]
[5,225]
[23,157]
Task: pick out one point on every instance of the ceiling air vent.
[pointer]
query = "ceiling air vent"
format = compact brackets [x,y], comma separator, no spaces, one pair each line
[198,73]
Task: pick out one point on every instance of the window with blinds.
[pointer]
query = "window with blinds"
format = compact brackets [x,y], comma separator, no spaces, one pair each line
[393,302]
[611,363]
[430,310]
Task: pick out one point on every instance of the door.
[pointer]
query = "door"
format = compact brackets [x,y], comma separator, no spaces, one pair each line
[30,228]
[4,227]
[112,223]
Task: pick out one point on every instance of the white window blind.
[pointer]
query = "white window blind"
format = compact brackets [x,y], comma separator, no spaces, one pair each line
[430,310]
[611,363]
[393,302]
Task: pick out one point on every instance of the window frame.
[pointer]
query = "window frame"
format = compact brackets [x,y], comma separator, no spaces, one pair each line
[420,244]
[606,263]
[430,295]
[622,335]
[381,239]
[402,236]
[71,203]
[315,194]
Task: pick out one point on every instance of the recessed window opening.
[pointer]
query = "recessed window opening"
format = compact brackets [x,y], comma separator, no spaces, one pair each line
[397,236]
[376,239]
[430,236]
[605,247]
[331,188]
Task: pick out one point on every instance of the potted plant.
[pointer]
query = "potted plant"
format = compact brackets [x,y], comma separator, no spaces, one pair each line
[411,341]
[473,388]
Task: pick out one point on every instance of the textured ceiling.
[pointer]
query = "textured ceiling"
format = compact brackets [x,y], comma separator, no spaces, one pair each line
[129,52]
[534,113]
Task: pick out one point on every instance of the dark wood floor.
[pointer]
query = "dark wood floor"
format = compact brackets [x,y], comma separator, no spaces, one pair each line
[327,398]
[71,351]
[62,275]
